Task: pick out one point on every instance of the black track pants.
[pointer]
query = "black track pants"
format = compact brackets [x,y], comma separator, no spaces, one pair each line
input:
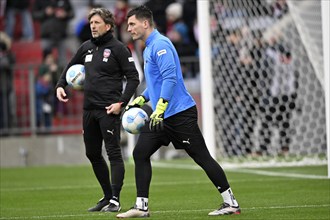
[98,127]
[183,131]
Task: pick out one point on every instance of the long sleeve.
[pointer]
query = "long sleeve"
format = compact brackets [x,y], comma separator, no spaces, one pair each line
[131,74]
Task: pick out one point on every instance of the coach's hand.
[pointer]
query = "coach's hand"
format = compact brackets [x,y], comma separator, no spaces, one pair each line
[114,108]
[137,102]
[61,95]
[157,117]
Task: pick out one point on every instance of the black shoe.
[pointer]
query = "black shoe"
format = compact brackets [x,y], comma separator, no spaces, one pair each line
[114,206]
[100,205]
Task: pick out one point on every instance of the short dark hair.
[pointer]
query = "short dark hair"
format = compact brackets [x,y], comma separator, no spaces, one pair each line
[105,14]
[142,12]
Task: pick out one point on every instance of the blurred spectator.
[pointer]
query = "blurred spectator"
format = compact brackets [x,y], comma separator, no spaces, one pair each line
[279,8]
[177,31]
[49,66]
[189,16]
[7,61]
[230,107]
[22,8]
[277,106]
[120,11]
[82,30]
[157,8]
[252,62]
[44,99]
[54,16]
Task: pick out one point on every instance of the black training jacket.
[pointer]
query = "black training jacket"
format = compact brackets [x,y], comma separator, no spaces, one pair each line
[107,62]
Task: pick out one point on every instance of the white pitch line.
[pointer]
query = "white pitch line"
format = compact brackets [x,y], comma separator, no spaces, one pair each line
[281,174]
[165,211]
[242,170]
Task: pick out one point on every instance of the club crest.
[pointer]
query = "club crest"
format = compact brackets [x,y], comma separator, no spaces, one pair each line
[106,53]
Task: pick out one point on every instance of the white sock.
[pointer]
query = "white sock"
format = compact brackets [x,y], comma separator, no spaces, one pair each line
[142,203]
[114,202]
[228,197]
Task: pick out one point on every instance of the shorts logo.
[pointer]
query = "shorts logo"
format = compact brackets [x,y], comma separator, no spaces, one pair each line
[111,131]
[186,141]
[161,52]
[106,55]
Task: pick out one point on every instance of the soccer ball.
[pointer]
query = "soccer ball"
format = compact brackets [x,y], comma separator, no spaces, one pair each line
[75,76]
[134,119]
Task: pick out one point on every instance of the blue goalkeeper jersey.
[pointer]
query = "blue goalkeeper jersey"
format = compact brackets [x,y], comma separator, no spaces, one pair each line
[163,75]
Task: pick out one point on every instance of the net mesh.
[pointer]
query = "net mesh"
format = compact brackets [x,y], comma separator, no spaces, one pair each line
[267,69]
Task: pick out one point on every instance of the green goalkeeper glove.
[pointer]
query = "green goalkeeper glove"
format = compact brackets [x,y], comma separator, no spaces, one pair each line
[137,102]
[157,117]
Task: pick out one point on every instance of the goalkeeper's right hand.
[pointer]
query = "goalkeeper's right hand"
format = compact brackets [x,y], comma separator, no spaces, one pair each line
[137,102]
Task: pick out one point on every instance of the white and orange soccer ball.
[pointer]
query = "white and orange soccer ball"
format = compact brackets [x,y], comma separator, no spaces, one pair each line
[75,76]
[134,119]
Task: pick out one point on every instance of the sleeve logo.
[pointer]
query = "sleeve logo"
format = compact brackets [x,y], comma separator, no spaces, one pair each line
[161,52]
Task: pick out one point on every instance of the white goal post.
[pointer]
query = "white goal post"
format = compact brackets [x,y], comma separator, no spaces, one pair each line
[206,75]
[248,107]
[326,55]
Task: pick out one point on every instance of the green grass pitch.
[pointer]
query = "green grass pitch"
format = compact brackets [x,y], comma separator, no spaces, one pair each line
[177,192]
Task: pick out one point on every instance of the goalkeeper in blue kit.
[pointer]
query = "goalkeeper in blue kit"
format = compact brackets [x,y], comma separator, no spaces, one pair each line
[174,118]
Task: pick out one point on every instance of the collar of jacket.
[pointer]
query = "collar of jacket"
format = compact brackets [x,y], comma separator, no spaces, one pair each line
[151,36]
[102,39]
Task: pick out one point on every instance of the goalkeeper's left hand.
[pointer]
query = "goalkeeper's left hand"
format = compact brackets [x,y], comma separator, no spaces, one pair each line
[157,117]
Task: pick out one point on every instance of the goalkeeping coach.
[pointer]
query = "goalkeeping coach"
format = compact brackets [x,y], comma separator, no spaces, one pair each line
[107,62]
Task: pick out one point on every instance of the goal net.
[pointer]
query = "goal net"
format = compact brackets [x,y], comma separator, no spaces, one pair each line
[267,69]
